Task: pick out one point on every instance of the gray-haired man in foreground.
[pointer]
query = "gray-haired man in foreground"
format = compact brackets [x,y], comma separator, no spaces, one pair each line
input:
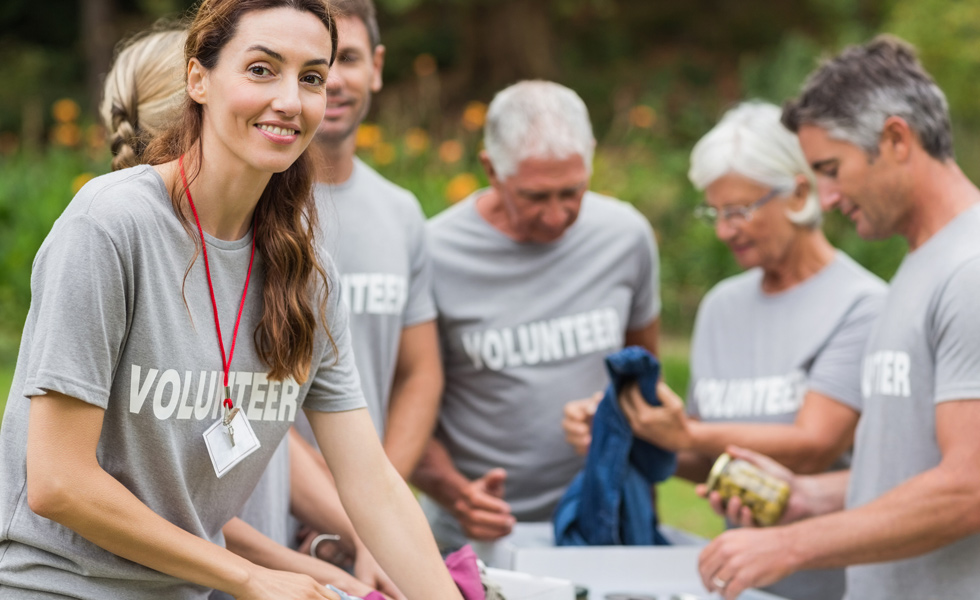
[875,128]
[536,280]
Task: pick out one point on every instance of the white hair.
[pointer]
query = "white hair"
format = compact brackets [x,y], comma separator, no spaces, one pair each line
[536,119]
[750,141]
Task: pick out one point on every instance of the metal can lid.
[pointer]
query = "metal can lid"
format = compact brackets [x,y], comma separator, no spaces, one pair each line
[717,469]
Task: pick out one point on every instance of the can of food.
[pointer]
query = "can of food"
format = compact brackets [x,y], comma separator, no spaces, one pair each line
[764,494]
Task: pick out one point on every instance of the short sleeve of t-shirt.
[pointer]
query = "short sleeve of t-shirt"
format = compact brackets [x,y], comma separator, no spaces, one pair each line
[956,331]
[79,287]
[336,385]
[646,300]
[836,371]
[420,306]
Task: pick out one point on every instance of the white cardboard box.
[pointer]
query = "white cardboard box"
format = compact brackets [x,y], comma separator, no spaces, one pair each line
[658,571]
[522,586]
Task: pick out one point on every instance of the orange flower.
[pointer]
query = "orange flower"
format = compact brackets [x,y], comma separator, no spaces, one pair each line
[424,65]
[79,181]
[383,153]
[66,134]
[416,141]
[450,151]
[474,116]
[65,110]
[461,186]
[642,116]
[368,135]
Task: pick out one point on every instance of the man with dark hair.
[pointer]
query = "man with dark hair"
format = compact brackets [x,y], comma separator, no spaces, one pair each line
[875,128]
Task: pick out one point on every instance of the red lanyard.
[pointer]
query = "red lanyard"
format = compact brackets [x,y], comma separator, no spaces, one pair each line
[225,364]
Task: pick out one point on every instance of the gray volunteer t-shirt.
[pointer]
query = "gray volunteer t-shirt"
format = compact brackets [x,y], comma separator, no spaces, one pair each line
[524,329]
[924,350]
[375,232]
[108,325]
[754,356]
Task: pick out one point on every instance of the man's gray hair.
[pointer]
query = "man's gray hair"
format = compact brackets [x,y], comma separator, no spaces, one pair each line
[751,142]
[536,119]
[852,95]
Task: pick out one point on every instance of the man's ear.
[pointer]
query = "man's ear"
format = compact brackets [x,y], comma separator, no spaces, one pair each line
[897,139]
[378,60]
[197,81]
[488,168]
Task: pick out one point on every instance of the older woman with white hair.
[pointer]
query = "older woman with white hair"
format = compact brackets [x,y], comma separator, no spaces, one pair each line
[776,351]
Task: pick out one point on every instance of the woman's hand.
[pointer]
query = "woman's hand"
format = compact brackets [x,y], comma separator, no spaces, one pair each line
[577,422]
[369,572]
[267,584]
[665,426]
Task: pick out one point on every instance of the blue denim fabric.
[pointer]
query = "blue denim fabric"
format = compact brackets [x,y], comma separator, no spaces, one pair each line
[608,503]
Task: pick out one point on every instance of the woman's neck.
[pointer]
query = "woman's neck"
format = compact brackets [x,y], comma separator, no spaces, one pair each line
[806,257]
[225,199]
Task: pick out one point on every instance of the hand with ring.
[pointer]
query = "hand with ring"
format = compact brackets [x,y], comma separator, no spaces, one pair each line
[740,559]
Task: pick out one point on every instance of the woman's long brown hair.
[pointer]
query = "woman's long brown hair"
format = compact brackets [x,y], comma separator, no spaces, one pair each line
[286,216]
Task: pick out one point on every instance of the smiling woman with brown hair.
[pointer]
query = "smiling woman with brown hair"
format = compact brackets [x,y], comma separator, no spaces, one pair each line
[137,425]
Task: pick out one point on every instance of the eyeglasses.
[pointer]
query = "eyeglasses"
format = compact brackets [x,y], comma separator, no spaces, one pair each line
[734,214]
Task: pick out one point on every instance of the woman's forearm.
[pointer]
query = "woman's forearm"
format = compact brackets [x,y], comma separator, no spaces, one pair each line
[382,508]
[72,489]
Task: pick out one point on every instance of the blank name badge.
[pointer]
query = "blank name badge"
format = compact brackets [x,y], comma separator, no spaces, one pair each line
[225,454]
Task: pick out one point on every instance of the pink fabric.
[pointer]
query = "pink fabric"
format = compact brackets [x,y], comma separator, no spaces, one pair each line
[375,595]
[466,573]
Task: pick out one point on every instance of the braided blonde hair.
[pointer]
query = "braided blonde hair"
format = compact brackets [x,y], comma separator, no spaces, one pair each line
[143,92]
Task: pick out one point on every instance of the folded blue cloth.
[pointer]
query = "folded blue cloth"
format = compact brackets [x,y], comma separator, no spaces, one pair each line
[609,503]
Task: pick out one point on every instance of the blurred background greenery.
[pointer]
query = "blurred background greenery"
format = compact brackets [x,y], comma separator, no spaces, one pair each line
[656,76]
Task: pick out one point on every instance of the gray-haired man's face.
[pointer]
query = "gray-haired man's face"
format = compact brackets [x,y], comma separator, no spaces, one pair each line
[863,189]
[543,198]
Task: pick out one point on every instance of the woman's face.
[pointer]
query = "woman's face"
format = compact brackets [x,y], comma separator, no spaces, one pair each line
[266,95]
[764,238]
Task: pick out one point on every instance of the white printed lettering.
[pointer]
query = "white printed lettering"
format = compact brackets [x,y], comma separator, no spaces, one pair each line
[160,410]
[271,402]
[358,284]
[512,356]
[254,412]
[185,410]
[287,400]
[747,398]
[886,373]
[137,392]
[529,344]
[584,334]
[493,350]
[471,345]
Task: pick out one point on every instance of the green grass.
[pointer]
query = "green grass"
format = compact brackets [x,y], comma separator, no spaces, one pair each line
[6,378]
[677,503]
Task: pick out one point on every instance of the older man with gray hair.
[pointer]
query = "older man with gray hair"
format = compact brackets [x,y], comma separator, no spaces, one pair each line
[536,280]
[875,128]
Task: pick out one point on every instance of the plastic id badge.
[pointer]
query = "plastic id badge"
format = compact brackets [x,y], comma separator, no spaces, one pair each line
[224,454]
